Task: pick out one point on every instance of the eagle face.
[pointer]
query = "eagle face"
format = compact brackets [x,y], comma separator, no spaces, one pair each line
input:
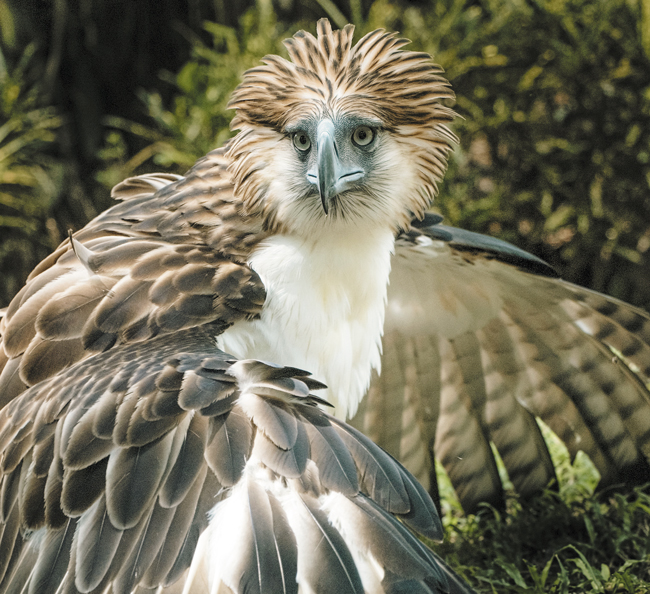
[345,170]
[341,135]
[340,156]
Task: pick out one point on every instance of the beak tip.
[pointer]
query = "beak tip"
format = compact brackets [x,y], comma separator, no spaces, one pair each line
[324,203]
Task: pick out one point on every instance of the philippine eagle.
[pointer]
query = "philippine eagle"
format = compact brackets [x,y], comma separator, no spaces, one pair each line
[157,432]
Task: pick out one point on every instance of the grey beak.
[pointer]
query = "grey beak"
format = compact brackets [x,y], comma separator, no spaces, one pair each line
[333,176]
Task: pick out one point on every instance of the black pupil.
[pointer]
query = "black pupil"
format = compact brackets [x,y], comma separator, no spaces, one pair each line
[302,139]
[362,134]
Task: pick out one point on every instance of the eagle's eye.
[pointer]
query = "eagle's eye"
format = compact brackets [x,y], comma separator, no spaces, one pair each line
[363,136]
[301,141]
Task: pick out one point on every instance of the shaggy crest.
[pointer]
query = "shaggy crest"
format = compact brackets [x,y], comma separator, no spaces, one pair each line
[375,78]
[327,76]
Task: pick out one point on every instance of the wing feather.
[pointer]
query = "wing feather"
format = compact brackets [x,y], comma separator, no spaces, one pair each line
[96,541]
[133,476]
[146,515]
[331,566]
[483,338]
[380,476]
[138,436]
[230,440]
[328,451]
[53,559]
[188,464]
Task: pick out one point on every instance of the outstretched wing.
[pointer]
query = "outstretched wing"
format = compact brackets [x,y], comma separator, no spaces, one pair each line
[481,338]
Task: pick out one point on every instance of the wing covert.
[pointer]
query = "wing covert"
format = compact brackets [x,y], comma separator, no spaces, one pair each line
[171,255]
[480,338]
[176,462]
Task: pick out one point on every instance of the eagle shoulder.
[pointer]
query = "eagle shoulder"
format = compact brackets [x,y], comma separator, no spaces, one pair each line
[170,255]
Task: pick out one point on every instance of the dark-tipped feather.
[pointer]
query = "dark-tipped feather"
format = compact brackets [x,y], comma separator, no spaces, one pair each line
[133,476]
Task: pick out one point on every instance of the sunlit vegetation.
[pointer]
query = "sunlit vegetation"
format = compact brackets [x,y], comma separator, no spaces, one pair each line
[554,156]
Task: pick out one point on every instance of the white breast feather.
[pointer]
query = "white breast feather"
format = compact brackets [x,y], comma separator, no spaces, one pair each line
[324,310]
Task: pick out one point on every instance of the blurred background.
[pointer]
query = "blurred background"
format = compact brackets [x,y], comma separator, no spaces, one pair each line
[554,97]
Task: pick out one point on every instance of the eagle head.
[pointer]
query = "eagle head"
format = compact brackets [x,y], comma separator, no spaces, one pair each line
[341,134]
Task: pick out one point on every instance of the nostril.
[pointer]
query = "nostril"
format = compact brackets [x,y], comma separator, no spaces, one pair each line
[352,175]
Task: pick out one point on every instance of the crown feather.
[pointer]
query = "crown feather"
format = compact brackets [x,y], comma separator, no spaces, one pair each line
[375,77]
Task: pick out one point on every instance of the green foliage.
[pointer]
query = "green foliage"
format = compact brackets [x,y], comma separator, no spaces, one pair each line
[567,540]
[555,140]
[197,119]
[30,177]
[590,544]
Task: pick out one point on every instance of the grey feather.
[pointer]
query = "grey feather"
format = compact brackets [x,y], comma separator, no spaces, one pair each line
[324,560]
[95,542]
[423,516]
[278,424]
[376,531]
[380,475]
[133,476]
[186,514]
[188,464]
[147,542]
[288,463]
[198,391]
[335,464]
[229,446]
[261,567]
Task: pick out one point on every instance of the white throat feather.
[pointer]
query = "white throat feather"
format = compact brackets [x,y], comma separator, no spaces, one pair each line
[324,311]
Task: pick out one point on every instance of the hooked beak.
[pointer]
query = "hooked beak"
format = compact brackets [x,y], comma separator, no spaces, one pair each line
[332,176]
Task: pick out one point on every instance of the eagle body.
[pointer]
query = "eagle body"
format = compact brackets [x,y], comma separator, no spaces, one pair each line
[328,293]
[165,373]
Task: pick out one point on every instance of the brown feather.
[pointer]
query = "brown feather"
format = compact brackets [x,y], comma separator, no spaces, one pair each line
[53,559]
[44,358]
[32,501]
[81,488]
[20,328]
[65,315]
[133,476]
[96,541]
[229,446]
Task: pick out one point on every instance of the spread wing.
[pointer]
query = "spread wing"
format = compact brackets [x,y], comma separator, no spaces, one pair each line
[481,338]
[134,455]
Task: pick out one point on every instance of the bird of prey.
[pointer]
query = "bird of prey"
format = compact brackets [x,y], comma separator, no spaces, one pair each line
[157,429]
